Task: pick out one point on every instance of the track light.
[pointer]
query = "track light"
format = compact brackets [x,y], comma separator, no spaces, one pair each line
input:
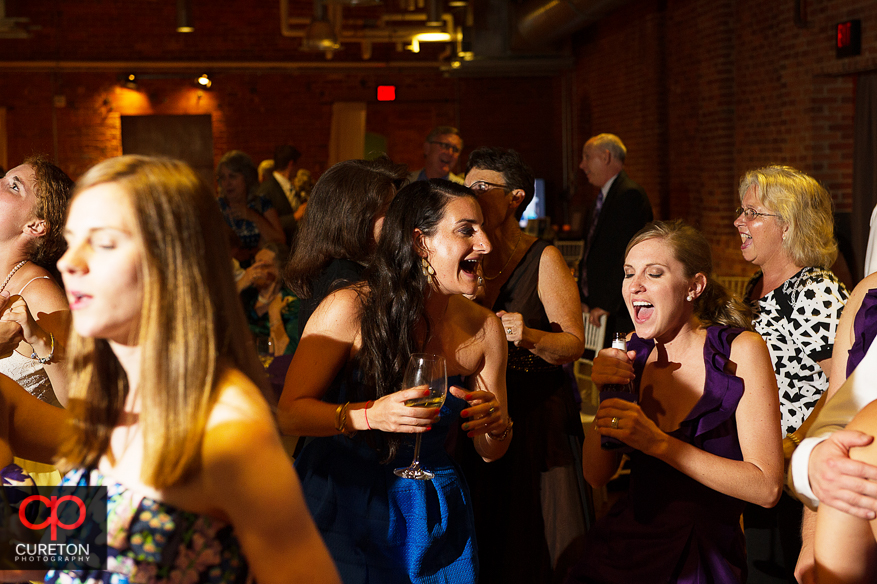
[128,81]
[184,16]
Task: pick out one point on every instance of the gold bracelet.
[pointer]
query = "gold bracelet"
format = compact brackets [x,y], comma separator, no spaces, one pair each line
[795,440]
[505,433]
[341,420]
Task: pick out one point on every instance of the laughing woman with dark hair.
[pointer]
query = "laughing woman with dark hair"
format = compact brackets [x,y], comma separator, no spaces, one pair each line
[344,389]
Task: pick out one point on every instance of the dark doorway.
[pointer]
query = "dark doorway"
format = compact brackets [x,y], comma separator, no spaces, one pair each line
[188,138]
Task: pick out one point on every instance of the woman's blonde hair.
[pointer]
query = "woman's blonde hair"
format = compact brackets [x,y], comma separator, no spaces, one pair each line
[803,205]
[191,326]
[715,305]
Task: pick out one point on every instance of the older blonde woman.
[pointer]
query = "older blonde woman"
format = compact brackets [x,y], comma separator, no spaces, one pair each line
[787,230]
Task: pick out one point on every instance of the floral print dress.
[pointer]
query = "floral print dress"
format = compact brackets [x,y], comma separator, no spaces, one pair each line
[150,542]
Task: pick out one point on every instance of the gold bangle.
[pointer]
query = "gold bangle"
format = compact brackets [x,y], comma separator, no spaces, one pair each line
[505,433]
[795,440]
[341,420]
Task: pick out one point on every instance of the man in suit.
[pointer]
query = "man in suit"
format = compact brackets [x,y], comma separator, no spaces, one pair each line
[620,210]
[440,153]
[278,187]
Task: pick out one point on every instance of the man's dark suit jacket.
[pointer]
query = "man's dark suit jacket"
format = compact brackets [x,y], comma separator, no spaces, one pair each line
[271,189]
[625,211]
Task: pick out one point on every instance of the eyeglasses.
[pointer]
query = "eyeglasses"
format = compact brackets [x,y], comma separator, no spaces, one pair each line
[482,186]
[446,146]
[751,214]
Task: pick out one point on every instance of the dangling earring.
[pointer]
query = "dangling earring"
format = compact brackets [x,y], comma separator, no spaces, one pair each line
[428,271]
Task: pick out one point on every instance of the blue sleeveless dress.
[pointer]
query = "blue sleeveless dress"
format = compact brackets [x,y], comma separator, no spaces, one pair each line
[382,529]
[669,527]
[151,542]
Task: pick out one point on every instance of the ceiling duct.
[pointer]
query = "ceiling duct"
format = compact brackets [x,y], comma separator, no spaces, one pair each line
[530,39]
[543,23]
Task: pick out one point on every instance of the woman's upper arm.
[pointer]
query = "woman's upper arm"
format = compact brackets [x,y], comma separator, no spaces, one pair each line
[559,295]
[251,479]
[491,376]
[325,346]
[758,413]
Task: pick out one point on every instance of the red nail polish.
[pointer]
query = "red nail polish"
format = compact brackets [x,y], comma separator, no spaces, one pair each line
[426,392]
[464,413]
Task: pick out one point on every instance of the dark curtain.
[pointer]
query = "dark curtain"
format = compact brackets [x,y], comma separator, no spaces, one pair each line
[864,172]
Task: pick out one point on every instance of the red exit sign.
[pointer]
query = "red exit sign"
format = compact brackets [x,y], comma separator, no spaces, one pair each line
[849,38]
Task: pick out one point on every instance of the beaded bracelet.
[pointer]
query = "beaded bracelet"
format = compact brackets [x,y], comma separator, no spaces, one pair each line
[44,360]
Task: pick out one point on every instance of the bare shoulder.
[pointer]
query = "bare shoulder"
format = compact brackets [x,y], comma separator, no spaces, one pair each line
[337,312]
[239,423]
[239,399]
[551,257]
[748,345]
[42,293]
[859,292]
[468,311]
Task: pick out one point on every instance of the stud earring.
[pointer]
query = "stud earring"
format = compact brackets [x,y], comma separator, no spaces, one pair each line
[689,298]
[428,271]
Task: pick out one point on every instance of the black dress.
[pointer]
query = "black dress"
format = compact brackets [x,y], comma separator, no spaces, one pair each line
[541,465]
[338,274]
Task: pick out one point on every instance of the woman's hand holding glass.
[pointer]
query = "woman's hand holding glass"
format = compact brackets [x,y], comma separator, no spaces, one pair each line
[390,414]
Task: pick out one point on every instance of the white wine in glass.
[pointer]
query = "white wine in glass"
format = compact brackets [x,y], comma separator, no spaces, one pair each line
[428,371]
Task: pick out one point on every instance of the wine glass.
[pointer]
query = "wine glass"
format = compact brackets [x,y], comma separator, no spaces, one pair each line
[265,348]
[428,371]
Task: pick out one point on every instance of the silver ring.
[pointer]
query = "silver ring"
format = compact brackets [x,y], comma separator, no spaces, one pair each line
[508,330]
[614,423]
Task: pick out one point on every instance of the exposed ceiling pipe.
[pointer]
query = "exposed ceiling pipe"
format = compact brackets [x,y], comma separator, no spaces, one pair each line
[386,29]
[542,23]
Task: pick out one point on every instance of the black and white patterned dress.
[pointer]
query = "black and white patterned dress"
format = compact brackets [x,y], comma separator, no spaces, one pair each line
[798,321]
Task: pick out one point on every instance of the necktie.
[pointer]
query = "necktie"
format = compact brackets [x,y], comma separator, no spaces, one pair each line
[598,205]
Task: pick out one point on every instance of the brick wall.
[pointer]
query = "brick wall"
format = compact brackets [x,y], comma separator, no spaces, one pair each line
[744,86]
[699,91]
[251,110]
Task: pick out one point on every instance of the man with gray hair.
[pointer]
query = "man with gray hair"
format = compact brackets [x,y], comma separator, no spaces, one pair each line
[440,152]
[620,210]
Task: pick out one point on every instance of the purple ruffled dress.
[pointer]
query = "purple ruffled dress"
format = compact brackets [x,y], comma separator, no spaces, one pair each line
[669,527]
[864,330]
